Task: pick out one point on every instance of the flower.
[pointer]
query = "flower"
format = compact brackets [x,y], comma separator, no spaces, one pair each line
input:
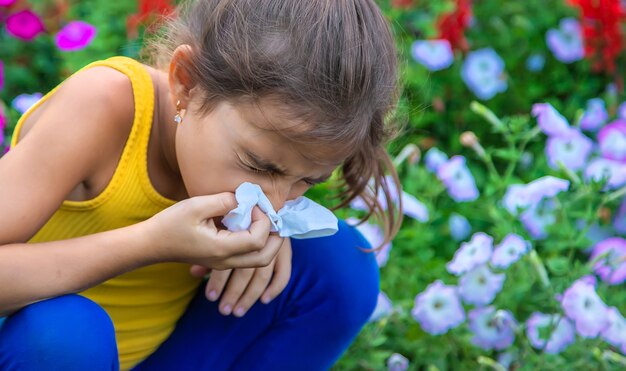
[374,235]
[550,120]
[538,217]
[595,115]
[433,54]
[615,332]
[483,73]
[25,25]
[582,305]
[434,158]
[612,140]
[566,42]
[596,232]
[384,308]
[438,308]
[612,267]
[75,35]
[571,149]
[549,332]
[452,25]
[492,329]
[613,171]
[471,254]
[522,196]
[480,286]
[459,226]
[148,10]
[24,101]
[619,220]
[7,3]
[621,111]
[411,206]
[509,250]
[458,179]
[535,62]
[3,123]
[397,362]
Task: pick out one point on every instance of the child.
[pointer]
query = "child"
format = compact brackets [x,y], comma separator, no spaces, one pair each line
[118,180]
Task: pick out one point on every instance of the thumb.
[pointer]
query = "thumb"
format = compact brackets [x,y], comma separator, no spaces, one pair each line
[210,206]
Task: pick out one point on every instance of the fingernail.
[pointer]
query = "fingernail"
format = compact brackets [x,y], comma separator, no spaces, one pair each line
[239,312]
[266,299]
[212,295]
[226,310]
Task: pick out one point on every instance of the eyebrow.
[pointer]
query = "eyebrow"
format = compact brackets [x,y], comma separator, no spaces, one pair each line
[269,166]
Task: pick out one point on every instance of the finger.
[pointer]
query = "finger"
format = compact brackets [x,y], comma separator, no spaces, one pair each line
[216,283]
[199,271]
[256,259]
[235,287]
[209,206]
[254,239]
[260,280]
[282,274]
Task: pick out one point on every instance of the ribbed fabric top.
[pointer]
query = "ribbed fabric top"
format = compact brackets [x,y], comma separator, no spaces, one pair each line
[146,303]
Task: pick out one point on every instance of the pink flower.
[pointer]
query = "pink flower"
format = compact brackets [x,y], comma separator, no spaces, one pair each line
[76,35]
[7,3]
[25,25]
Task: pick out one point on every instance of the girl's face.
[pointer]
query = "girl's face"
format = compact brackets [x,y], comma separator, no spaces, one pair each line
[235,144]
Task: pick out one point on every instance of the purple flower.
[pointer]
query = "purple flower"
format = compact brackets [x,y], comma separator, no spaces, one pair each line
[492,329]
[596,232]
[613,171]
[471,254]
[384,308]
[459,226]
[7,3]
[434,54]
[582,305]
[509,251]
[374,235]
[535,62]
[520,196]
[538,217]
[24,25]
[434,158]
[3,124]
[438,308]
[483,73]
[566,42]
[619,220]
[615,333]
[621,111]
[571,149]
[595,115]
[612,139]
[397,362]
[480,286]
[410,205]
[560,332]
[24,101]
[551,122]
[458,180]
[75,35]
[612,267]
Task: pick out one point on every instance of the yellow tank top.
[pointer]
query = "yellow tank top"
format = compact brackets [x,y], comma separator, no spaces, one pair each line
[144,304]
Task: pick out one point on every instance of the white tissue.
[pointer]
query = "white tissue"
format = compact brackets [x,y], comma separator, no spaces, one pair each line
[300,218]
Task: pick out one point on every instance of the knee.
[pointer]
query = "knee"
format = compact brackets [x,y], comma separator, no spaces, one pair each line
[67,332]
[346,277]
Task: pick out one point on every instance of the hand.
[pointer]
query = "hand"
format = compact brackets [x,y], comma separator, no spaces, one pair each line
[187,233]
[246,285]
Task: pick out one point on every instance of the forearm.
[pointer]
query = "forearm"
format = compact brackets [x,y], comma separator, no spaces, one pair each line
[33,272]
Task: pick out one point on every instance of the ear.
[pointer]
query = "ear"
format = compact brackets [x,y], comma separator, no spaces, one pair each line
[180,80]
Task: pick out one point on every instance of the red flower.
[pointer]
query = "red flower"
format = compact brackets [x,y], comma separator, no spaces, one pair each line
[147,10]
[604,41]
[452,25]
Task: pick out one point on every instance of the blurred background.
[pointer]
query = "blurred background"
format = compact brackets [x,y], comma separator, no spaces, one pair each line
[512,157]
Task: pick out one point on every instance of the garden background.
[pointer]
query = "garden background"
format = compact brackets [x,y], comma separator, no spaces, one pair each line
[512,158]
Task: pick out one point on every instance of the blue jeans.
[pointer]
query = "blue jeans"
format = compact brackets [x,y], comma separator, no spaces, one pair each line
[332,292]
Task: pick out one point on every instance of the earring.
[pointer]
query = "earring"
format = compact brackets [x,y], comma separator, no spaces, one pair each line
[178,119]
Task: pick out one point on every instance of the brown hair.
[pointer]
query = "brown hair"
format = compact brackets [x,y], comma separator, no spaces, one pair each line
[333,63]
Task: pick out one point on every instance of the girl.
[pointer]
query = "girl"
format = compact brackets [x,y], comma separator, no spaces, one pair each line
[118,179]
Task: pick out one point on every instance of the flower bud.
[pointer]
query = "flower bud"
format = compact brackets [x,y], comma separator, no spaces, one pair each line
[469,139]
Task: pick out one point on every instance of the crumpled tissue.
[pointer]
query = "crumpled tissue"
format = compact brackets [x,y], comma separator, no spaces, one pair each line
[300,218]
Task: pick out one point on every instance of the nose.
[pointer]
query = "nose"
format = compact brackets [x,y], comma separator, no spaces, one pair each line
[278,194]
